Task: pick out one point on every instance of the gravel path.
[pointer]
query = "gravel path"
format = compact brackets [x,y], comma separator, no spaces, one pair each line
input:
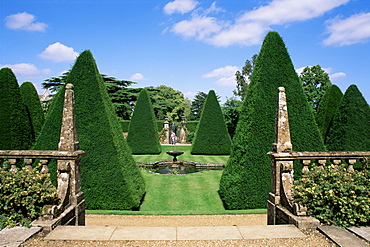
[313,238]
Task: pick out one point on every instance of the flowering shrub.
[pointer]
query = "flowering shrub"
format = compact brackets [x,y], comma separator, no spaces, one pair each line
[335,196]
[23,194]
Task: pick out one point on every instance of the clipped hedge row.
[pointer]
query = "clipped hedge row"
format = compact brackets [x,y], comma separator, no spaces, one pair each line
[125,124]
[191,126]
[211,135]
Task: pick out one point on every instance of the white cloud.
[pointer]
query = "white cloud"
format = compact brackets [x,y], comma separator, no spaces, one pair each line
[225,75]
[222,72]
[226,81]
[201,27]
[250,27]
[335,76]
[26,71]
[355,29]
[24,21]
[280,12]
[137,77]
[180,6]
[58,52]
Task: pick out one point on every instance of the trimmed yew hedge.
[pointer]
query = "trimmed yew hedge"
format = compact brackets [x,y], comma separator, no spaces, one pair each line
[245,182]
[15,126]
[349,130]
[143,132]
[33,106]
[327,109]
[110,177]
[211,135]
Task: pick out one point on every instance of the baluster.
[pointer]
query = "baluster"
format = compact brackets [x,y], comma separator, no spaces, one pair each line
[321,164]
[28,164]
[13,167]
[305,168]
[351,162]
[45,168]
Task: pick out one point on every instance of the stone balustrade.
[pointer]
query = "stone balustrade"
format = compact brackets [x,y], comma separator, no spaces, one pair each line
[281,206]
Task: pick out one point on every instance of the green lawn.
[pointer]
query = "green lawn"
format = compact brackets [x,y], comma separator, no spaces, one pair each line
[181,194]
[186,156]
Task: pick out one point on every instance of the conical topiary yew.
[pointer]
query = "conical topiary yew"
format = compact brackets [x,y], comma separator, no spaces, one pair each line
[245,182]
[110,177]
[211,134]
[349,130]
[143,134]
[33,106]
[15,127]
[327,109]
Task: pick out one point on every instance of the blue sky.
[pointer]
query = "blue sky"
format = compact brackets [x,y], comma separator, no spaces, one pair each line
[189,45]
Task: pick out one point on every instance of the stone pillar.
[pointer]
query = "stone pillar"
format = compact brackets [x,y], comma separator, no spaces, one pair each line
[69,176]
[166,127]
[182,135]
[282,143]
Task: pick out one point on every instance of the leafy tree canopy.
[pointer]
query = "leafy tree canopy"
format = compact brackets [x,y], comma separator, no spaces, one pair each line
[243,78]
[315,82]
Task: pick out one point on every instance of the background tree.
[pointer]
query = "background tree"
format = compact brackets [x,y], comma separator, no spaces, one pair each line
[245,181]
[231,110]
[327,108]
[211,135]
[110,177]
[243,78]
[197,105]
[33,106]
[168,102]
[15,126]
[349,130]
[117,91]
[315,82]
[143,133]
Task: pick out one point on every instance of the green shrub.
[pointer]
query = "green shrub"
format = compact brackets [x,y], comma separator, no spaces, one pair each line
[110,177]
[23,195]
[124,125]
[245,181]
[211,135]
[327,109]
[191,126]
[335,196]
[15,126]
[349,130]
[33,106]
[160,125]
[143,133]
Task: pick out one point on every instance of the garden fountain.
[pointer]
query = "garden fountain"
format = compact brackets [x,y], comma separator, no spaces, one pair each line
[175,154]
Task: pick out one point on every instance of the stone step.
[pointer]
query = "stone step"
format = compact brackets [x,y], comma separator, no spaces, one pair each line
[342,237]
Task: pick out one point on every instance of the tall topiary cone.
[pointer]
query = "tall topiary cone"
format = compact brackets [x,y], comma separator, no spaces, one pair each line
[15,127]
[109,175]
[33,106]
[245,182]
[211,134]
[142,135]
[327,109]
[349,130]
